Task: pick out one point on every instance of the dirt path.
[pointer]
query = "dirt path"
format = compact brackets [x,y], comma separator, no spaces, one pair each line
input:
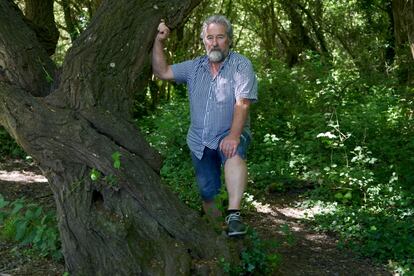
[303,251]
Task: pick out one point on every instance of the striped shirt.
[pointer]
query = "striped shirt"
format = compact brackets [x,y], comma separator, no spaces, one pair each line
[212,99]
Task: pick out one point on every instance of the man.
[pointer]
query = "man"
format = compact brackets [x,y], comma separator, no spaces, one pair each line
[221,85]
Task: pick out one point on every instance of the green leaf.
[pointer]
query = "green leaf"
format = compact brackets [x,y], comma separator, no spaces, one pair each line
[18,205]
[21,227]
[348,195]
[95,174]
[117,164]
[2,217]
[3,202]
[38,212]
[116,157]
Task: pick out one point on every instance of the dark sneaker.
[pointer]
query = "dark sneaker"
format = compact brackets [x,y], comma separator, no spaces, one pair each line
[235,226]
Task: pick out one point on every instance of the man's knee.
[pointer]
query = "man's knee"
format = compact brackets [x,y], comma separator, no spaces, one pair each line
[235,161]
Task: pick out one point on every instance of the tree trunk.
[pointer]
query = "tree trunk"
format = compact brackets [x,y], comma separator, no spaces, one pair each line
[71,24]
[126,222]
[299,38]
[40,14]
[403,13]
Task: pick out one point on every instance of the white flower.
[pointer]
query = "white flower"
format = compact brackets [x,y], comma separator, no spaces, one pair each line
[327,135]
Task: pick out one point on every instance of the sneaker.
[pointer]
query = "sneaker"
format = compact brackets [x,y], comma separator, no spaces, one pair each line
[235,226]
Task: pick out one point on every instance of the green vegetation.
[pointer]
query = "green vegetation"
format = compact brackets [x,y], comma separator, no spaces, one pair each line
[255,259]
[347,134]
[350,136]
[30,227]
[177,170]
[8,147]
[335,115]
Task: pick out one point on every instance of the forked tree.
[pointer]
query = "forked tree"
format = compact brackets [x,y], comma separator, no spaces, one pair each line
[71,120]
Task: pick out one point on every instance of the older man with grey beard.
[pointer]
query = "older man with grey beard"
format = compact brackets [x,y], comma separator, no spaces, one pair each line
[221,87]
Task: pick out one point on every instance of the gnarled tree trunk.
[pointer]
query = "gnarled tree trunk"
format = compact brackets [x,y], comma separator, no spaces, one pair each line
[126,222]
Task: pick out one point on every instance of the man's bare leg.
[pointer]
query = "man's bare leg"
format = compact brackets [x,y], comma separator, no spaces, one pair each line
[235,173]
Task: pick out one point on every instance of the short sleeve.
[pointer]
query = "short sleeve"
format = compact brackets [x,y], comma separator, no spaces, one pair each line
[245,81]
[181,71]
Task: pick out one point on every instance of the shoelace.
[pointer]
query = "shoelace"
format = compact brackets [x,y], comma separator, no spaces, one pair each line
[233,216]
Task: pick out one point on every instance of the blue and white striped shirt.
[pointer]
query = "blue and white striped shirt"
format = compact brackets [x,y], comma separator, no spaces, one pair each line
[212,99]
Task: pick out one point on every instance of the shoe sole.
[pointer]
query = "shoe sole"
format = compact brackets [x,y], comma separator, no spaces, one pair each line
[235,234]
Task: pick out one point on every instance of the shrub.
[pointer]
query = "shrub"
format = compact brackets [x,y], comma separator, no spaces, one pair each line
[29,225]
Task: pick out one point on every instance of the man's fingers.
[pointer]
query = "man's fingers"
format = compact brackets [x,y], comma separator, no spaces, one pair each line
[163,28]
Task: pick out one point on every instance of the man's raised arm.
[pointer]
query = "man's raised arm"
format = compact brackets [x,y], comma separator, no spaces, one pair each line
[160,67]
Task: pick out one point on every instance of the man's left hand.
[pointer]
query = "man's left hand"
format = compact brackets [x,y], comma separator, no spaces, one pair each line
[229,145]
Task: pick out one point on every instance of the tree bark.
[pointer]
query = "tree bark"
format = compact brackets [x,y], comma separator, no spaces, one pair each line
[40,15]
[403,14]
[126,222]
[299,38]
[71,23]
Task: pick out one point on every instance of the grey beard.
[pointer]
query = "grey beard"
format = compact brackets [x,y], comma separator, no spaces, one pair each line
[216,56]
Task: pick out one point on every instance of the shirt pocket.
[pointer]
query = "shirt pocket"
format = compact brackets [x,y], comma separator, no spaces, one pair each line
[225,92]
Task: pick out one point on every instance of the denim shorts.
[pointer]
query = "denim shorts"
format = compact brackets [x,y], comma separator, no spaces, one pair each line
[208,169]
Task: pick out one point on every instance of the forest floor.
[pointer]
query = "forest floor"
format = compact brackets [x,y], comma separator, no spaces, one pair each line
[278,217]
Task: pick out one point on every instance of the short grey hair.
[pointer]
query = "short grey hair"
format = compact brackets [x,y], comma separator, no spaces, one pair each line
[217,19]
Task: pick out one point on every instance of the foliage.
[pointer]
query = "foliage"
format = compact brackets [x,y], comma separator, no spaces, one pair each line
[331,126]
[110,179]
[8,147]
[377,233]
[255,259]
[339,119]
[166,130]
[30,226]
[339,135]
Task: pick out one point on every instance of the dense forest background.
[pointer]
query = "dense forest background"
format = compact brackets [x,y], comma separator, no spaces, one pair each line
[334,116]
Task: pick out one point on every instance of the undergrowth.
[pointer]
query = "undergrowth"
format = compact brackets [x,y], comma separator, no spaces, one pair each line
[34,230]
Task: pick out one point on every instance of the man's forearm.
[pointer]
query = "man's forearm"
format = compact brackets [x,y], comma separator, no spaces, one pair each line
[241,111]
[159,60]
[160,67]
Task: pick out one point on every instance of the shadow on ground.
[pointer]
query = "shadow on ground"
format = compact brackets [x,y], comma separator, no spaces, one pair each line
[303,251]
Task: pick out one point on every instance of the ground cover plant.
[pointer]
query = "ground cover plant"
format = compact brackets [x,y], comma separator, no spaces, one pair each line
[346,135]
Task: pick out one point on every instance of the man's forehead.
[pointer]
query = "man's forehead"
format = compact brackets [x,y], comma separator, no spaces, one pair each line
[217,28]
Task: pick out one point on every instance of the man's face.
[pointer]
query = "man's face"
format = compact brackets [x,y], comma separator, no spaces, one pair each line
[216,42]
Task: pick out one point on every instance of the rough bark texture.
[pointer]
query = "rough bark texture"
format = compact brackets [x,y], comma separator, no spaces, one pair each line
[127,222]
[23,61]
[42,21]
[71,24]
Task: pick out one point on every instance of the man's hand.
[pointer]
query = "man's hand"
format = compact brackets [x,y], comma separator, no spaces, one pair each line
[229,145]
[163,32]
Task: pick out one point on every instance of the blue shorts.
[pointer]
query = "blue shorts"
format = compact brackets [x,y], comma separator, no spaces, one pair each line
[208,169]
